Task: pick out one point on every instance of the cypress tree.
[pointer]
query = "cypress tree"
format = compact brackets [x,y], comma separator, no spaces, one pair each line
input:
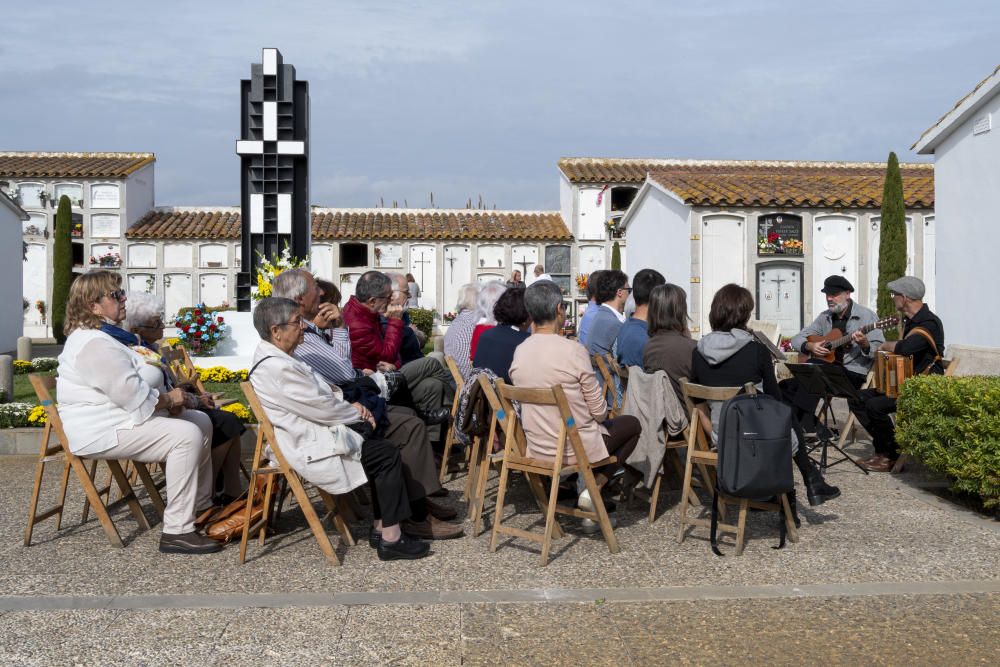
[616,256]
[892,236]
[62,267]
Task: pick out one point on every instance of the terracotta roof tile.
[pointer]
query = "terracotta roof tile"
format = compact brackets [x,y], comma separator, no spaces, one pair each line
[187,224]
[333,224]
[848,185]
[20,164]
[378,223]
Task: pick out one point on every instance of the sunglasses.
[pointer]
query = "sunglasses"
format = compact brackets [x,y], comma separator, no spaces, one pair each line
[117,295]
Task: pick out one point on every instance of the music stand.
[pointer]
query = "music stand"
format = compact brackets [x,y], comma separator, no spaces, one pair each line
[827,381]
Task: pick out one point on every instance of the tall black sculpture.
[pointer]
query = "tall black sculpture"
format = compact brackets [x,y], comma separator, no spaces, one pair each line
[274,167]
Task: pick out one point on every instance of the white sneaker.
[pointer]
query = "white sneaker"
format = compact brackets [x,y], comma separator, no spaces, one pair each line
[584,502]
[589,526]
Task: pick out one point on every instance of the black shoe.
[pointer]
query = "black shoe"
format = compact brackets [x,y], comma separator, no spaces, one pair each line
[188,543]
[374,537]
[406,548]
[818,491]
[437,416]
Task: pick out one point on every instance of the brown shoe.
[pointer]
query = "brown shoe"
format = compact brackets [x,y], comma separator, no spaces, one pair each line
[440,511]
[879,463]
[432,529]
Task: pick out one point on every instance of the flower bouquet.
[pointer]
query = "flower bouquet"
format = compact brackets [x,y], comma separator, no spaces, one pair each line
[200,331]
[449,317]
[107,260]
[581,281]
[269,269]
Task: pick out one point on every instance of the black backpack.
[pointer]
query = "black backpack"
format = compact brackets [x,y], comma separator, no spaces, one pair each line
[755,452]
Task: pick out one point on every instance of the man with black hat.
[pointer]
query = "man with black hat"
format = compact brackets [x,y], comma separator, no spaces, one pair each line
[923,339]
[845,315]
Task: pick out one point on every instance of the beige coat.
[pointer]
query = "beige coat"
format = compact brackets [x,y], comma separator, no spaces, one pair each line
[545,360]
[308,417]
[652,401]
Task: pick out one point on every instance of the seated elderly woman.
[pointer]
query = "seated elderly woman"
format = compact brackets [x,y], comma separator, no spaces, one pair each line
[495,350]
[111,412]
[485,319]
[459,335]
[145,320]
[547,359]
[320,433]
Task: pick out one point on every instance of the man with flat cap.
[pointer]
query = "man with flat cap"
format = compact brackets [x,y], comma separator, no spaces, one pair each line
[923,339]
[848,317]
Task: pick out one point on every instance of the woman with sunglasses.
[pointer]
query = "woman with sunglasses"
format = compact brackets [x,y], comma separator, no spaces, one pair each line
[110,412]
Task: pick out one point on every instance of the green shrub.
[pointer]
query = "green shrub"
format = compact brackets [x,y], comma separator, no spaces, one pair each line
[422,319]
[616,256]
[953,426]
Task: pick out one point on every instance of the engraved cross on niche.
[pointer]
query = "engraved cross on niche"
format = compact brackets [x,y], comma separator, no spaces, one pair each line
[777,290]
[422,262]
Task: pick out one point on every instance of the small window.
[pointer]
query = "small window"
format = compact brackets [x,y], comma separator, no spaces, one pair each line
[622,197]
[353,255]
[78,254]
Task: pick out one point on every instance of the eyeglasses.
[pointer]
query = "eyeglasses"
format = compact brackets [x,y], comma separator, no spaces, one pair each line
[153,325]
[894,294]
[627,289]
[117,295]
[291,323]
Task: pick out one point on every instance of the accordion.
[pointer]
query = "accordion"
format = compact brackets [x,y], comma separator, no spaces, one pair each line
[891,370]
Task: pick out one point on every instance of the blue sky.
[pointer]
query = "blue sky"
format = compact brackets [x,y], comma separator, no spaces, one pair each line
[482,98]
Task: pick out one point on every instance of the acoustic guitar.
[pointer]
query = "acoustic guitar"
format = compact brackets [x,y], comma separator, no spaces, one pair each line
[836,341]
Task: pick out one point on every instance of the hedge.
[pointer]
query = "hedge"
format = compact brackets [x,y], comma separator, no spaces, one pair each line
[952,425]
[422,319]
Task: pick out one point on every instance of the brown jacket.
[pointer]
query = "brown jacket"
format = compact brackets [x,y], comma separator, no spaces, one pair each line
[670,352]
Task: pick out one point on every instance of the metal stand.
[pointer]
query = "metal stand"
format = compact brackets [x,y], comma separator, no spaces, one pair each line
[827,382]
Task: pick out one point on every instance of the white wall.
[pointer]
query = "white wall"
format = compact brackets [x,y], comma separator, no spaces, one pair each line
[11,321]
[967,202]
[566,202]
[659,237]
[139,191]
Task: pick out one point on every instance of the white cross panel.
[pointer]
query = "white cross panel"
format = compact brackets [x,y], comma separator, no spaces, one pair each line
[270,62]
[249,147]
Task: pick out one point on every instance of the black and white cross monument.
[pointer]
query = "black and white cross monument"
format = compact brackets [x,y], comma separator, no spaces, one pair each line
[274,167]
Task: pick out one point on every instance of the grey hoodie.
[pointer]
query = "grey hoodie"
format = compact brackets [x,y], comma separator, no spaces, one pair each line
[718,346]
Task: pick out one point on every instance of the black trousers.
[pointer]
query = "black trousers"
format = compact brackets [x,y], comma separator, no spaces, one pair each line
[804,404]
[873,411]
[384,468]
[623,436]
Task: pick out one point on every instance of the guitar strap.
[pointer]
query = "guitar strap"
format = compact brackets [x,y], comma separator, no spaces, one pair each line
[930,339]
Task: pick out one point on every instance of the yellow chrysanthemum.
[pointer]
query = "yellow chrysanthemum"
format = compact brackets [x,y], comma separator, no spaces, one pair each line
[37,416]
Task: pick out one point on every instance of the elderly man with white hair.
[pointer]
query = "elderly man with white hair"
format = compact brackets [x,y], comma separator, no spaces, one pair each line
[401,426]
[458,339]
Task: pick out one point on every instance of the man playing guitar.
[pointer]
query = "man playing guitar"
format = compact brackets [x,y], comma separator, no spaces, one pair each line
[842,322]
[923,339]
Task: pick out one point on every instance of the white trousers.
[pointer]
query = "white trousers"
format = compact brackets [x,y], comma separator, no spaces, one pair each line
[184,444]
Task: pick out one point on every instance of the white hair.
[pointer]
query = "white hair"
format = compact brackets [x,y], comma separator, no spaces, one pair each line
[467,295]
[140,309]
[290,284]
[488,297]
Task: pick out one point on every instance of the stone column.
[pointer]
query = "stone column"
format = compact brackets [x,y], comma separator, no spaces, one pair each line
[6,378]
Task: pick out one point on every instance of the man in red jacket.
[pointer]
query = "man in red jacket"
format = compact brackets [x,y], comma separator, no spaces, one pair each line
[376,347]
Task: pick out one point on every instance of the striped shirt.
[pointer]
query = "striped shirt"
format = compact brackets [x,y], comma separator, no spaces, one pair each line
[327,353]
[458,340]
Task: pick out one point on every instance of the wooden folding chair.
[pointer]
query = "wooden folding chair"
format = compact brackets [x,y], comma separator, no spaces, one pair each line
[515,458]
[672,447]
[700,455]
[265,436]
[950,366]
[450,440]
[482,456]
[611,397]
[48,453]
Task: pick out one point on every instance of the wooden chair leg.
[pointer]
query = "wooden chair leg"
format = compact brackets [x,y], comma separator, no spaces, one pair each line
[128,495]
[37,488]
[470,470]
[655,495]
[479,498]
[142,472]
[87,481]
[334,505]
[538,491]
[92,474]
[741,525]
[310,513]
[498,512]
[786,508]
[602,514]
[550,517]
[682,508]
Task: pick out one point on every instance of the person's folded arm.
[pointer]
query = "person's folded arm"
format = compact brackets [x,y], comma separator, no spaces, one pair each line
[107,364]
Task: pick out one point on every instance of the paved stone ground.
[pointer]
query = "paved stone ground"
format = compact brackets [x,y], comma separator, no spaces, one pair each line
[886,574]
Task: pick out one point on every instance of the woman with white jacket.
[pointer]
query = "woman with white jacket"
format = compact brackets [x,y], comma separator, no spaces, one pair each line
[110,412]
[320,433]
